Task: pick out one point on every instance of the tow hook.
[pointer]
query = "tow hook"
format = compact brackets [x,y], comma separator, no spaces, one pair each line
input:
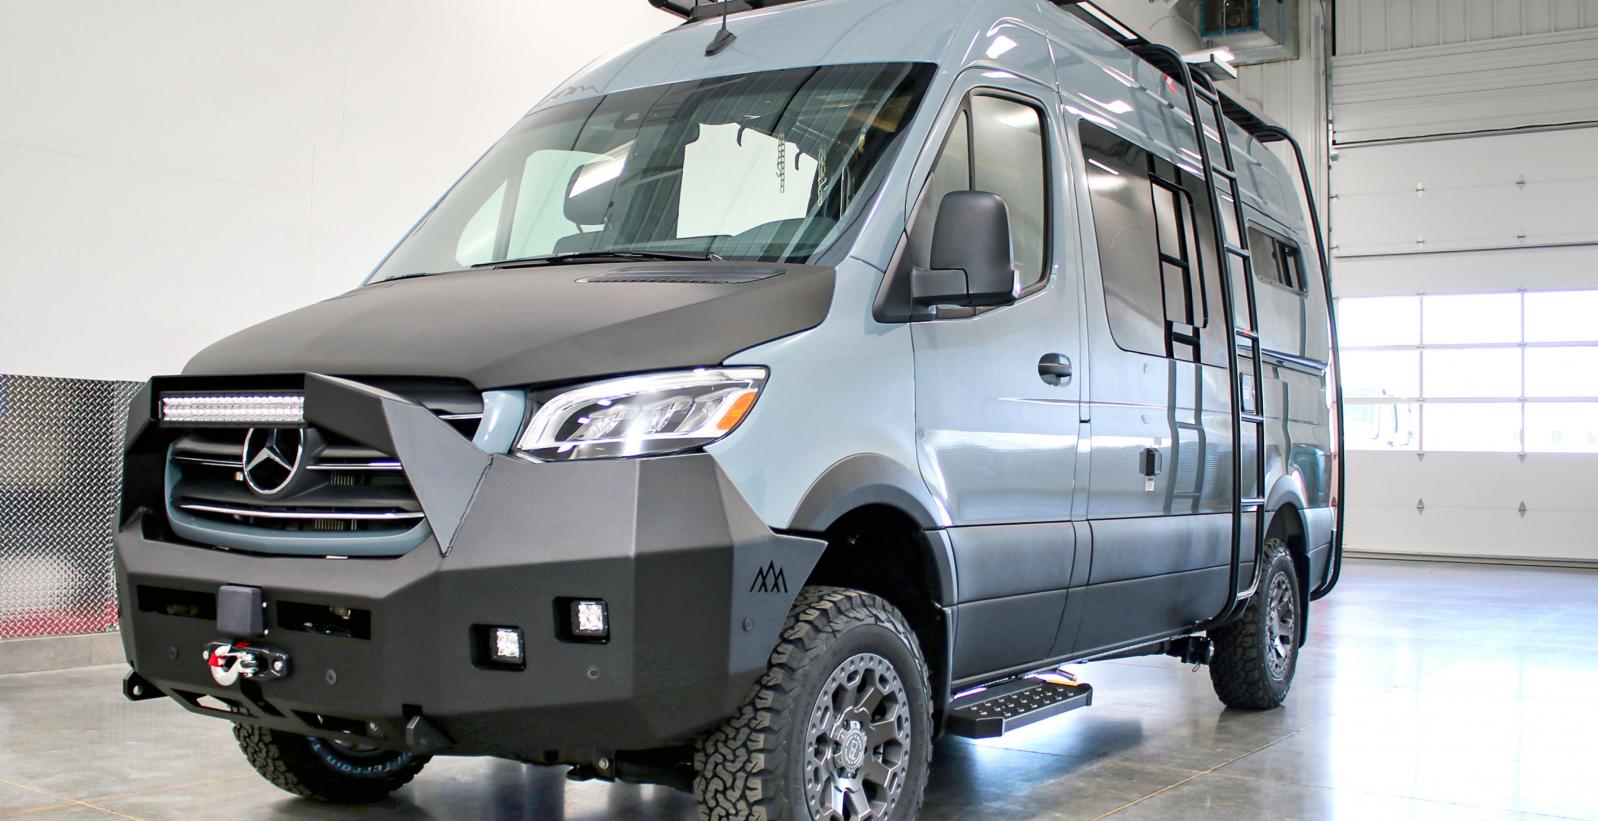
[229,662]
[136,688]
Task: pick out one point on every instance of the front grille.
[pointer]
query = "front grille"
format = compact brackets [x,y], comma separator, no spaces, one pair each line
[335,485]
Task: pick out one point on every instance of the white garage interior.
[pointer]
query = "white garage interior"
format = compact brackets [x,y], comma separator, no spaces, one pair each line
[172,172]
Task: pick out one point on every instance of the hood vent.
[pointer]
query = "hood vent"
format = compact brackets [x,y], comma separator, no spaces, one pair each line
[720,276]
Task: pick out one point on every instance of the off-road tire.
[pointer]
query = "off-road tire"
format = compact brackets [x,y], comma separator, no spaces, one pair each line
[752,766]
[316,769]
[1242,669]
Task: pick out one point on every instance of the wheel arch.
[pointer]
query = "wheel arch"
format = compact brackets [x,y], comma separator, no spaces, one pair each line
[859,481]
[885,550]
[1287,522]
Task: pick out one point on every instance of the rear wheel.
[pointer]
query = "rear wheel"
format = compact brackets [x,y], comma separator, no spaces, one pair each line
[839,728]
[322,769]
[1256,656]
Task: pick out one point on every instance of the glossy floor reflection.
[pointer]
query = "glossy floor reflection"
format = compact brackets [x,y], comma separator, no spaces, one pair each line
[1428,691]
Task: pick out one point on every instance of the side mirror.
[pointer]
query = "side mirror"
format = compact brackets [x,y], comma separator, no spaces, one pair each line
[971,261]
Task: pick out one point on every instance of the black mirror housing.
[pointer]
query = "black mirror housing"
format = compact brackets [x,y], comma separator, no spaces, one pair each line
[972,264]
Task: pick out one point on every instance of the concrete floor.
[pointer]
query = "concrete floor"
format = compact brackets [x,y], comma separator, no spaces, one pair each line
[1427,691]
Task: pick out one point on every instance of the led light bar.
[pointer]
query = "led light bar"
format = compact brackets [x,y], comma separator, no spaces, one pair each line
[275,409]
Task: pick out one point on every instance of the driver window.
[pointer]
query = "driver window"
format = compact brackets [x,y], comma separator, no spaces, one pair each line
[995,145]
[1007,159]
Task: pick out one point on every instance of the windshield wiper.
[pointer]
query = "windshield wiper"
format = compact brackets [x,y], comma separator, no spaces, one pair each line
[600,256]
[416,275]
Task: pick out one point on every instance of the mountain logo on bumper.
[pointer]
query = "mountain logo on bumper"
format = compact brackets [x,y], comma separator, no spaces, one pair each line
[769,579]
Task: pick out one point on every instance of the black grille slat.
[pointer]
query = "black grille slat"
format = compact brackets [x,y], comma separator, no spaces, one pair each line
[329,496]
[352,453]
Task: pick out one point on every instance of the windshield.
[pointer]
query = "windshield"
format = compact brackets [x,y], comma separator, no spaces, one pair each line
[760,166]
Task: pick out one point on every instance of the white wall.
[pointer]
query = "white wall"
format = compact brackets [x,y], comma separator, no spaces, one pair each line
[1503,190]
[1421,205]
[1375,26]
[1409,68]
[173,170]
[1293,92]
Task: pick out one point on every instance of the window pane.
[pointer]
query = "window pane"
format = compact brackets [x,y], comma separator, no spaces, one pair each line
[1010,163]
[1562,427]
[1292,269]
[1265,253]
[952,173]
[1123,224]
[1384,426]
[1384,320]
[735,178]
[1561,316]
[1467,318]
[1467,427]
[543,224]
[1370,374]
[477,238]
[1562,372]
[1472,372]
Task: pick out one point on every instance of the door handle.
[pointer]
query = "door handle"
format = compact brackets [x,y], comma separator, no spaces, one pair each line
[1055,369]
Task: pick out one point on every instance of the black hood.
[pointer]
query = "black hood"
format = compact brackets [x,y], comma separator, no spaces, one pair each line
[496,328]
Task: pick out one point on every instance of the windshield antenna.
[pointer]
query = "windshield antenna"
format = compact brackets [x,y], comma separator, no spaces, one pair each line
[723,38]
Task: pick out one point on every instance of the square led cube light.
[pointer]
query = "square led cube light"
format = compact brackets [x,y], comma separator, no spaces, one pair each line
[590,620]
[508,648]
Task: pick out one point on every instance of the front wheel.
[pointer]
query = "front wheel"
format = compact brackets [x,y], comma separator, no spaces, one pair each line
[325,770]
[839,727]
[1256,655]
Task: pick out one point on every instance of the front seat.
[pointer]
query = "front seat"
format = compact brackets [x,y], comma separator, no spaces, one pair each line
[587,206]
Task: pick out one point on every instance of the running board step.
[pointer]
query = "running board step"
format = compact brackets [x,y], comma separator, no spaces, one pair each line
[1004,707]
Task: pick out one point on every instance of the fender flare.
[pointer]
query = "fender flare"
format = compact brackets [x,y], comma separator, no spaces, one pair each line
[1287,497]
[859,480]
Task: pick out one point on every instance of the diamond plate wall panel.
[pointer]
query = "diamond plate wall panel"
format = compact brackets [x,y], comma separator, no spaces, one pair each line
[60,475]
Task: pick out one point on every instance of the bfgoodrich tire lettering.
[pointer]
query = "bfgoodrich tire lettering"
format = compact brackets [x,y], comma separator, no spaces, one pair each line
[323,770]
[836,645]
[1256,656]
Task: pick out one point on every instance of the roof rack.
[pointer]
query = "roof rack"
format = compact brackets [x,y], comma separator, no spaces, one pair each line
[1087,11]
[692,11]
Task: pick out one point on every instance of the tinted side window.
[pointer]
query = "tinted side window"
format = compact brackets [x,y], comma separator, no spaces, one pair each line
[951,173]
[1123,220]
[1275,260]
[1292,272]
[1008,160]
[1149,248]
[1174,215]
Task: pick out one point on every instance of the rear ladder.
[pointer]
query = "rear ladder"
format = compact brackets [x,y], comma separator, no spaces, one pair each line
[1242,319]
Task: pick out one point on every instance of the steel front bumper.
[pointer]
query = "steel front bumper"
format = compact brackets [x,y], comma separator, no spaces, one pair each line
[668,543]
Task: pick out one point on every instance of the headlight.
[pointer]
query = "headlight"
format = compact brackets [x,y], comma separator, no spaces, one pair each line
[642,415]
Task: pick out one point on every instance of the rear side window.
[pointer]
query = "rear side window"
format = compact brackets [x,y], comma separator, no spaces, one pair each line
[1147,229]
[1275,259]
[995,145]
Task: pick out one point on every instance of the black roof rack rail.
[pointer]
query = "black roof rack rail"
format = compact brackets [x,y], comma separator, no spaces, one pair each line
[1085,10]
[691,11]
[672,7]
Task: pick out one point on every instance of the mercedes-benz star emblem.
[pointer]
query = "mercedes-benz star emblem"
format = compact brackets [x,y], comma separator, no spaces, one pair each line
[272,458]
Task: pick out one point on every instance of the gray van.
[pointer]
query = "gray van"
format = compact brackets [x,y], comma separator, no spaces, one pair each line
[779,394]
